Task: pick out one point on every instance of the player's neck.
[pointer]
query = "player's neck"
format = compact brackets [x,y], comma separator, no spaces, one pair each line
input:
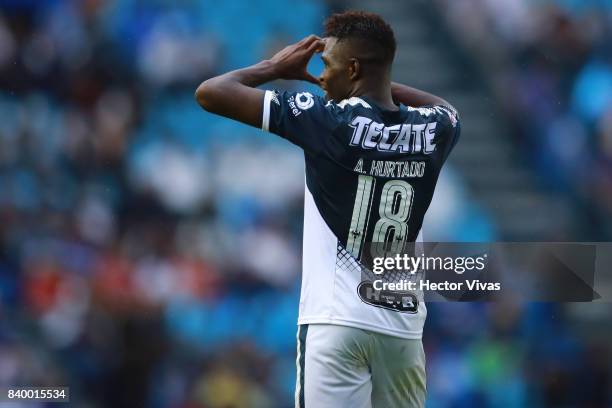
[381,95]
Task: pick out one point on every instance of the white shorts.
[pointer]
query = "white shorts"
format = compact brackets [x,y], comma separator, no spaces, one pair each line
[339,366]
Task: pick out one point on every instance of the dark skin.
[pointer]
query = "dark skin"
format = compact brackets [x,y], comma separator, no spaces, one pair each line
[349,71]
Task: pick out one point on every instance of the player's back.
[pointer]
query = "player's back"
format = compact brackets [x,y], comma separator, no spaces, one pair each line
[370,177]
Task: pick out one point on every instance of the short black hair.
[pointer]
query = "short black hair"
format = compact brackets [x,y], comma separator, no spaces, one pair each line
[365,26]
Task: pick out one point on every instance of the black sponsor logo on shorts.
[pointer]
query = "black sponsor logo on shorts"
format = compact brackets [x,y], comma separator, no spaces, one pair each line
[398,301]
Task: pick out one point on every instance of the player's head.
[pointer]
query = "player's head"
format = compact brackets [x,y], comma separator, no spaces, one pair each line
[359,48]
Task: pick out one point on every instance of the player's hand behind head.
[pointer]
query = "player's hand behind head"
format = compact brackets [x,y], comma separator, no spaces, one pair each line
[291,61]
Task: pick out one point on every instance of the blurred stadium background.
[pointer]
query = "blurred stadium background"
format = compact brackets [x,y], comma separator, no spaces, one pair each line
[151,251]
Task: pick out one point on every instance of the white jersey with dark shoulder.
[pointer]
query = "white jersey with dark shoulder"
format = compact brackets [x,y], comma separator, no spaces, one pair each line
[370,177]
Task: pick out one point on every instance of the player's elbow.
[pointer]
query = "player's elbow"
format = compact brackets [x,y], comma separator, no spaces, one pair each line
[205,95]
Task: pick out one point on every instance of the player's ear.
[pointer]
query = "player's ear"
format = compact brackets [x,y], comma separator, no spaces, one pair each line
[354,69]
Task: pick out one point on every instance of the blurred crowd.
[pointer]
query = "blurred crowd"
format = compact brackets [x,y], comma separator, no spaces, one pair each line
[132,222]
[550,63]
[150,252]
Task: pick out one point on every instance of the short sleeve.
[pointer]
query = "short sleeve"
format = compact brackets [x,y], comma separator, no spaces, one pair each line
[444,114]
[300,117]
[450,117]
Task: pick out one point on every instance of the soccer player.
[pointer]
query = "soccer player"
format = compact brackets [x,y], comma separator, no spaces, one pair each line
[373,151]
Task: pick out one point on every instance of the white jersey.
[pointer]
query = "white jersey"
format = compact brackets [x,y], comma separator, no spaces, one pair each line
[370,177]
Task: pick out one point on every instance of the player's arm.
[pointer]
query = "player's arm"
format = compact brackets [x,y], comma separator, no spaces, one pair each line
[234,94]
[414,97]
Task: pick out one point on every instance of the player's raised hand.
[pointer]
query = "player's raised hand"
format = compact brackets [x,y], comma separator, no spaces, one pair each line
[291,62]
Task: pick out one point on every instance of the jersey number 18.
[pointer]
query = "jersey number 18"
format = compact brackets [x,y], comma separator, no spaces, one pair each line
[394,212]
